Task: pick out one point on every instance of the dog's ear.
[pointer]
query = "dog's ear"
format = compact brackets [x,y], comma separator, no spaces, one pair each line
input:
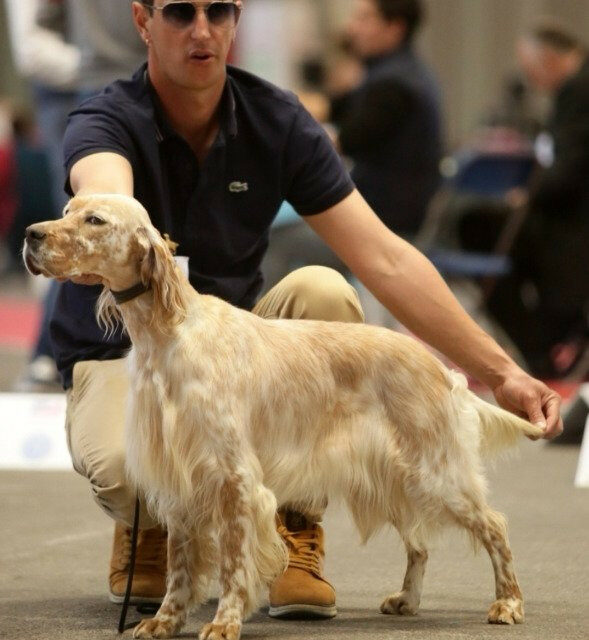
[157,262]
[146,255]
[158,270]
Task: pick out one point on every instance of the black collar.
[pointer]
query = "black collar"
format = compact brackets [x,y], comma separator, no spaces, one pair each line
[131,293]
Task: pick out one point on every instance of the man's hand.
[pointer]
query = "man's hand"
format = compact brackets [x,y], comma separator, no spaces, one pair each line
[531,399]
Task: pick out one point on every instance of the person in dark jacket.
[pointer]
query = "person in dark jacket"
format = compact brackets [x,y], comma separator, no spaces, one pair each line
[390,124]
[549,321]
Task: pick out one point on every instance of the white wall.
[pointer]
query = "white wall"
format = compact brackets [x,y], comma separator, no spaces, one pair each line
[275,34]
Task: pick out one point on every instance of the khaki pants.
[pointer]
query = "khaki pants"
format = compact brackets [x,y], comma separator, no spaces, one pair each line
[96,402]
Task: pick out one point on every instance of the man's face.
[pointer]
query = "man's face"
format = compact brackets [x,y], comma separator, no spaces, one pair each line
[189,55]
[369,32]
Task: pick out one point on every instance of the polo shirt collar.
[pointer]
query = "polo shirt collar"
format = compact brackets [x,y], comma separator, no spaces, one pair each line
[164,129]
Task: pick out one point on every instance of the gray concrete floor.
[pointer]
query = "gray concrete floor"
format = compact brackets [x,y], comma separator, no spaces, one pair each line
[56,543]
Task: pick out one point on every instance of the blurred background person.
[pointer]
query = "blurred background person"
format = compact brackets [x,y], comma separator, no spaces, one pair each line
[390,122]
[543,304]
[68,50]
[384,112]
[33,193]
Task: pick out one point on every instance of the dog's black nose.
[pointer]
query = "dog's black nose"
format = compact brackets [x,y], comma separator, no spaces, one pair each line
[34,235]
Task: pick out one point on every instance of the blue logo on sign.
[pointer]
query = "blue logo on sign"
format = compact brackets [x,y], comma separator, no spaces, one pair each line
[36,446]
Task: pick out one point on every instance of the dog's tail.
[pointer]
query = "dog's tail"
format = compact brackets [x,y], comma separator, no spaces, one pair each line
[499,429]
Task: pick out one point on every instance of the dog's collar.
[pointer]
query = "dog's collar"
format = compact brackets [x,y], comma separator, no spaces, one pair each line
[131,293]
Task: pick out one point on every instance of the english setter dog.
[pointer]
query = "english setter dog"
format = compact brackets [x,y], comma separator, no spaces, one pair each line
[231,414]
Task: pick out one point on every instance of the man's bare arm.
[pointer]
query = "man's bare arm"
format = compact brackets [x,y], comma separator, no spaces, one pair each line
[406,282]
[103,172]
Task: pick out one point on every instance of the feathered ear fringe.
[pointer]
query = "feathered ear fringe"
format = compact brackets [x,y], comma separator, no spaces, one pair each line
[108,314]
[160,272]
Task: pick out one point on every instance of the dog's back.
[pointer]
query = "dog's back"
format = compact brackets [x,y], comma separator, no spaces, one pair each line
[370,415]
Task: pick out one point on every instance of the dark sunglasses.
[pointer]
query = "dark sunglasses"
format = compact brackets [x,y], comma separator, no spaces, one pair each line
[182,14]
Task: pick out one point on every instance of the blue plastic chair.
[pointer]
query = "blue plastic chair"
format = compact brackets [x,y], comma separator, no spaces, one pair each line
[489,176]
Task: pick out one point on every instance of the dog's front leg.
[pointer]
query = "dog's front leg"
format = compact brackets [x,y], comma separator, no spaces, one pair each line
[251,553]
[234,532]
[171,616]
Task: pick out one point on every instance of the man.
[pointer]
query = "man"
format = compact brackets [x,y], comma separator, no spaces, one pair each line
[211,152]
[550,256]
[389,125]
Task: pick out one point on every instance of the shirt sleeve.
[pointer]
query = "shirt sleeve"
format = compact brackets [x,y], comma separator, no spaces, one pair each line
[93,127]
[316,176]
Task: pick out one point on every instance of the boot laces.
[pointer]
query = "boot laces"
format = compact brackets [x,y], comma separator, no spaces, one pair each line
[151,548]
[303,548]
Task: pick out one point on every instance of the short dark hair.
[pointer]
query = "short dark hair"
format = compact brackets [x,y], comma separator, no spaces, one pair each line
[552,34]
[411,11]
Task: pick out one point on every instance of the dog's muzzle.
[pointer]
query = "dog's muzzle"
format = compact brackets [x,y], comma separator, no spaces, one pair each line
[34,238]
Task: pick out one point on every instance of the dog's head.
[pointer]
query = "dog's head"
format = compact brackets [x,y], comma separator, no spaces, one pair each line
[108,238]
[101,235]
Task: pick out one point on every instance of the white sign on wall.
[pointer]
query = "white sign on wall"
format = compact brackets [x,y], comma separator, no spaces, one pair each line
[32,433]
[582,475]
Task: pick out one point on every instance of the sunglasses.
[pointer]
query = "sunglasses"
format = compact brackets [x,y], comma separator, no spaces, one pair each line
[220,14]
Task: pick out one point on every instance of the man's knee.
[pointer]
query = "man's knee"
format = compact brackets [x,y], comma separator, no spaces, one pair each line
[112,490]
[315,293]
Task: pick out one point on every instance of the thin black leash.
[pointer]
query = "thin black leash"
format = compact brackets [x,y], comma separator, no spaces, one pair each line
[142,608]
[134,536]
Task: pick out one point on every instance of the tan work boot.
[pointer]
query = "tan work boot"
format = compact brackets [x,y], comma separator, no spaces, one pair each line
[149,578]
[302,591]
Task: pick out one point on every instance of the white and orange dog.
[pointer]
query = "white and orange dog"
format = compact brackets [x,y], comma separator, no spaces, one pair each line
[231,414]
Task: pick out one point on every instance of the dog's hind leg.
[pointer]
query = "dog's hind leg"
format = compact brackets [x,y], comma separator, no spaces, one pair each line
[489,527]
[171,616]
[406,601]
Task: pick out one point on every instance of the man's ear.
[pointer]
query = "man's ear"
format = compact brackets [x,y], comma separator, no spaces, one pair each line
[141,15]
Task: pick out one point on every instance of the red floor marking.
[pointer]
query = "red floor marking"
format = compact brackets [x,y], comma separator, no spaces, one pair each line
[19,322]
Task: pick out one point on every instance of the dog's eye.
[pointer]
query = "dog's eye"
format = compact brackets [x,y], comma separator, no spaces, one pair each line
[94,220]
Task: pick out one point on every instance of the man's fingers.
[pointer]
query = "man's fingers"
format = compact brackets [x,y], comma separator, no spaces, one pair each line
[533,408]
[554,424]
[535,402]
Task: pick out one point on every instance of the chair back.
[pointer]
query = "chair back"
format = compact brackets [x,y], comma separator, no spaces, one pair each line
[491,174]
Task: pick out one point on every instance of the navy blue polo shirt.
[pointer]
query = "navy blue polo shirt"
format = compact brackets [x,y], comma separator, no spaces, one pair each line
[268,149]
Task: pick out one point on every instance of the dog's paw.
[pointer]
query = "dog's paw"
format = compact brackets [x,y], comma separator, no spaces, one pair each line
[212,631]
[506,611]
[400,604]
[154,628]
